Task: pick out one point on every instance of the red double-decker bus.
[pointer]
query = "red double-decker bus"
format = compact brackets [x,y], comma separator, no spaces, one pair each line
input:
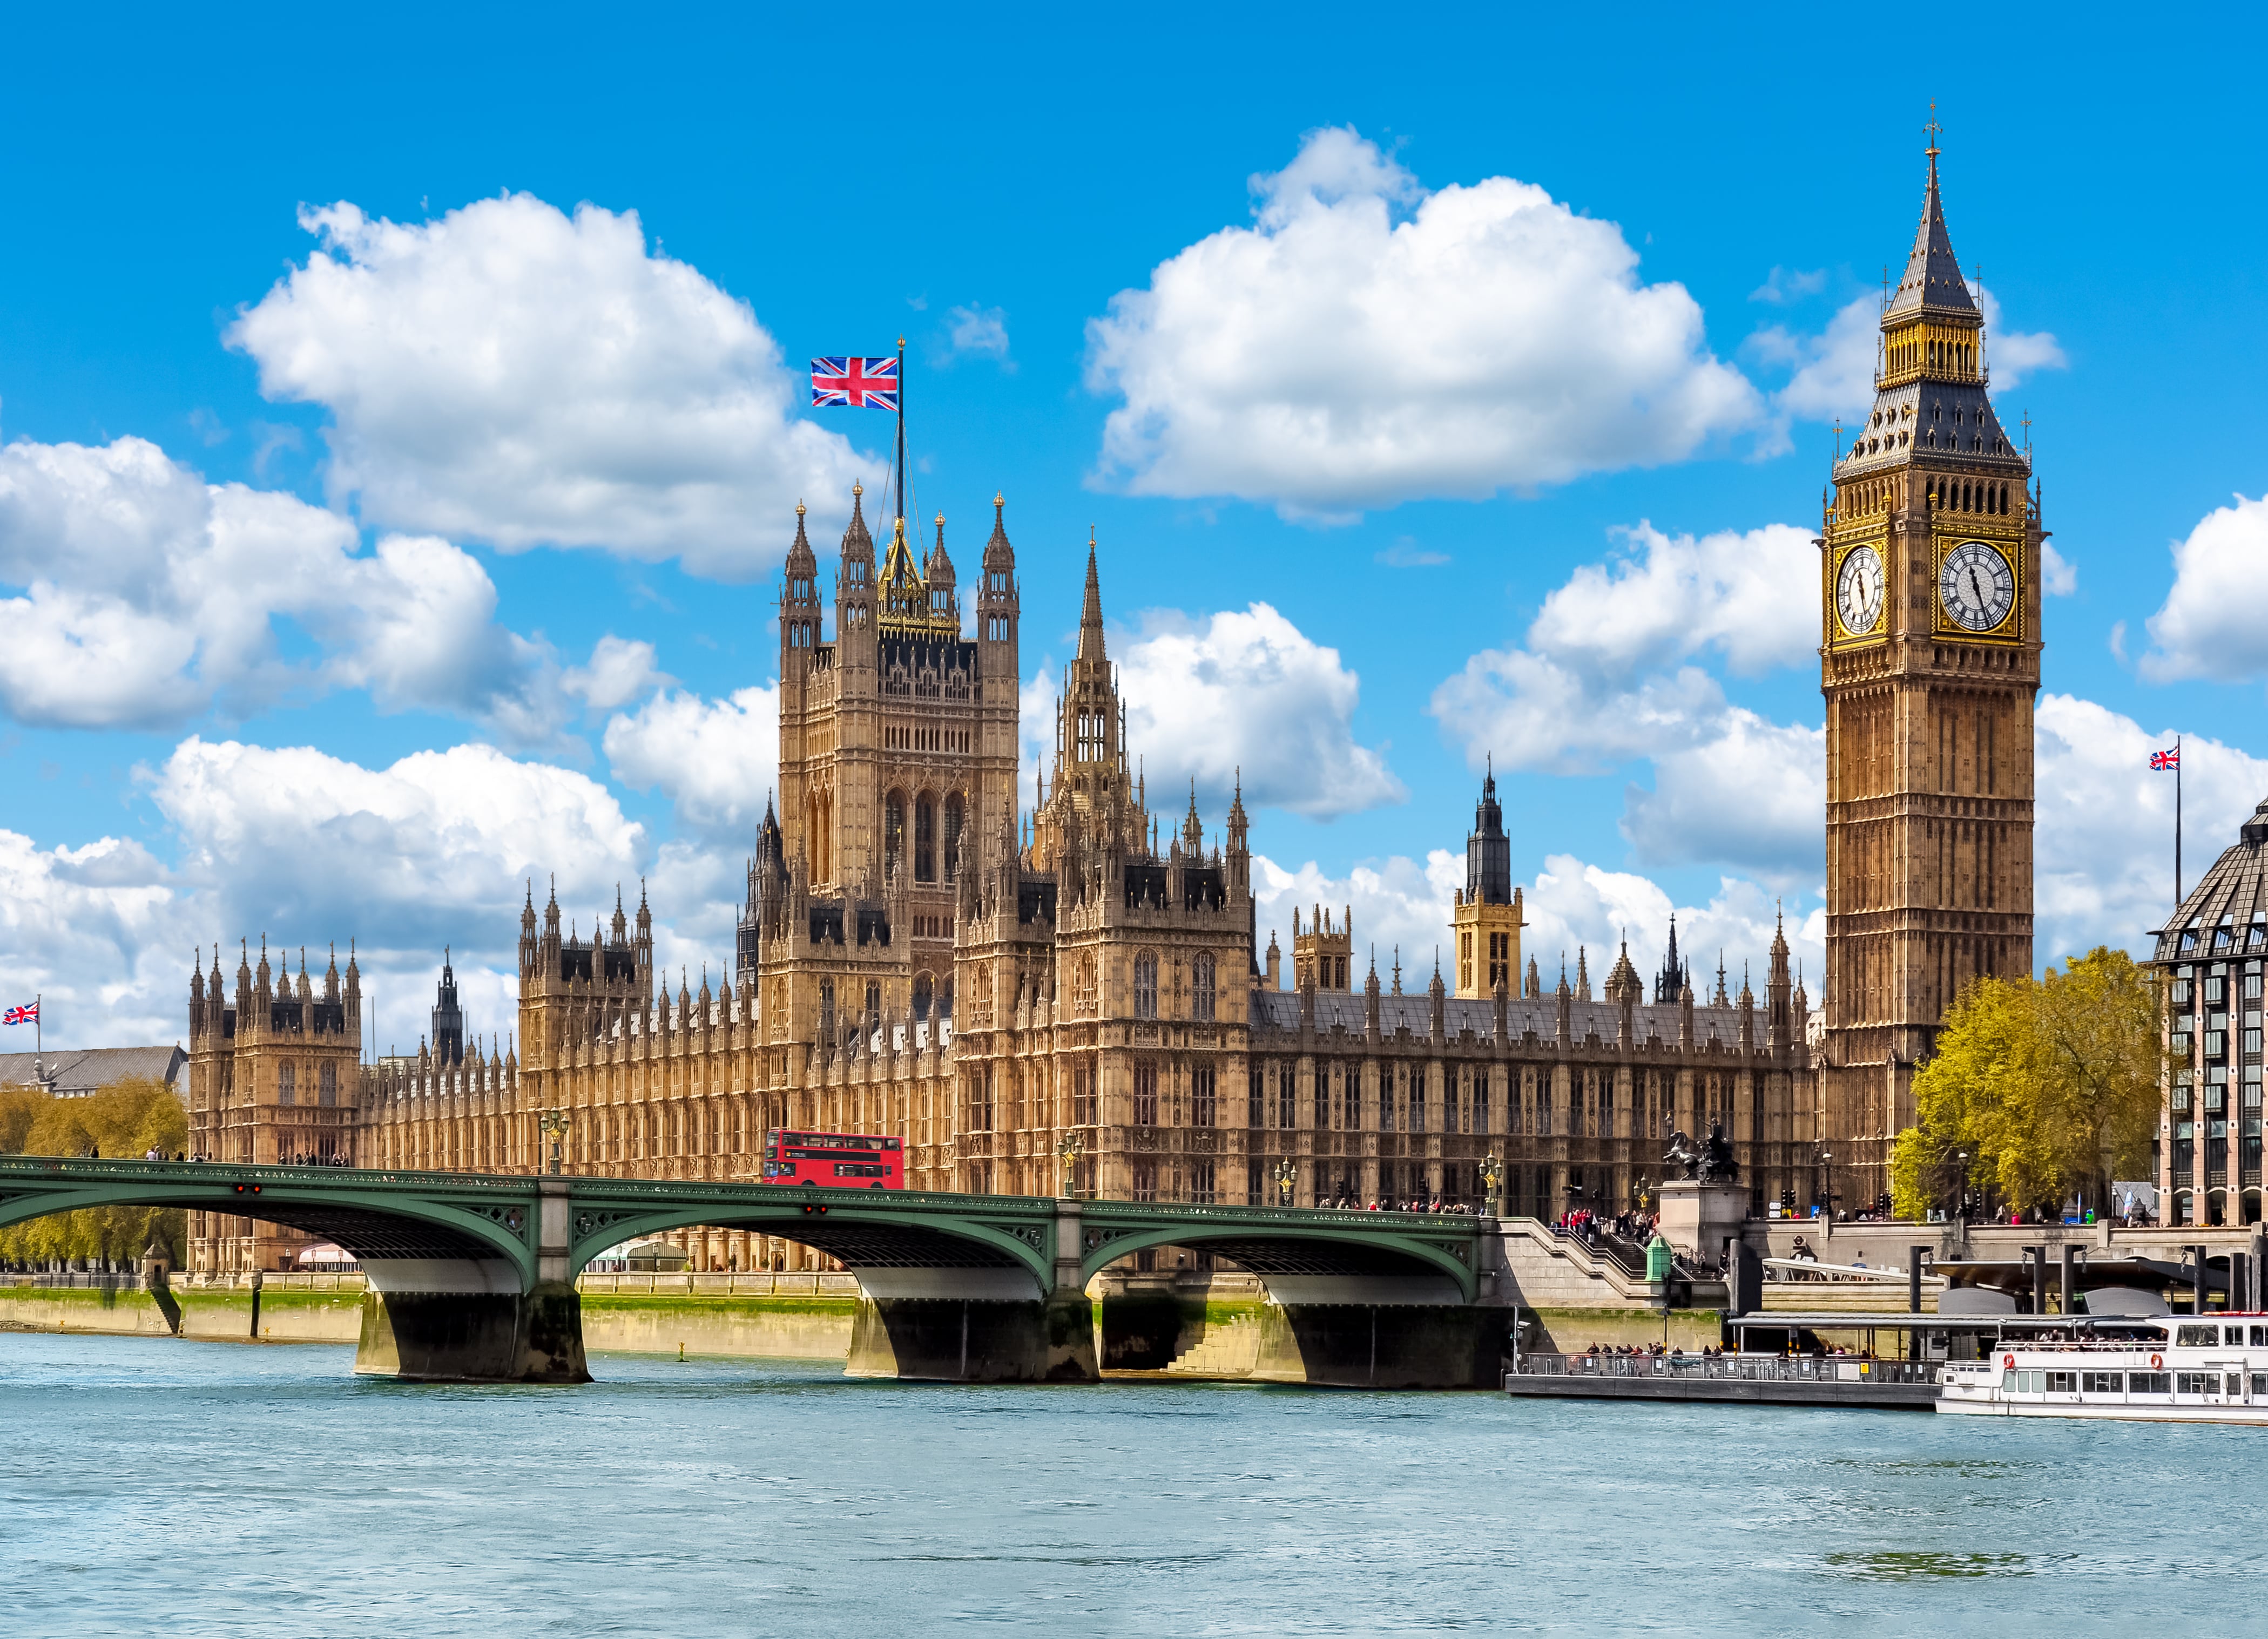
[834,1160]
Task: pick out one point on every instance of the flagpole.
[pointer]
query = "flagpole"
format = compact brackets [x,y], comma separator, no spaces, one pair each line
[901,432]
[2177,822]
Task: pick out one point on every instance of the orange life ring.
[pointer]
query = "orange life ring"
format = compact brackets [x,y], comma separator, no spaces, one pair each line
[2156,1360]
[2009,1361]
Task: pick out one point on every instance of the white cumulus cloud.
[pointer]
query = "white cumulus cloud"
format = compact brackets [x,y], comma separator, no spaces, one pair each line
[717,761]
[620,670]
[2209,625]
[1614,668]
[1245,689]
[1365,343]
[148,595]
[511,374]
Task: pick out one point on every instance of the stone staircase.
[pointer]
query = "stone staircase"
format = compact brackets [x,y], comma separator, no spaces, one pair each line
[1223,1351]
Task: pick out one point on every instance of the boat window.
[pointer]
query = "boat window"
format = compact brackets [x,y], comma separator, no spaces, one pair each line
[2260,1383]
[2063,1383]
[2197,1382]
[2149,1383]
[2098,1382]
[2198,1336]
[2260,1337]
[2233,1384]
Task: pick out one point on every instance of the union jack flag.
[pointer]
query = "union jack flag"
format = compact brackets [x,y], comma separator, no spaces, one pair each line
[21,1015]
[2163,760]
[859,383]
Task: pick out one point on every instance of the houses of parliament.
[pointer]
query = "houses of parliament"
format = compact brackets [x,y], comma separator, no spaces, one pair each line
[1075,997]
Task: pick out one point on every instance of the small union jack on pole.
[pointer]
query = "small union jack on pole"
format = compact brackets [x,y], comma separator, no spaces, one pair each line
[2164,762]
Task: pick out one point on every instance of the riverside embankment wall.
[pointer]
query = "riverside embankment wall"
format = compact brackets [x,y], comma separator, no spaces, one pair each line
[798,1317]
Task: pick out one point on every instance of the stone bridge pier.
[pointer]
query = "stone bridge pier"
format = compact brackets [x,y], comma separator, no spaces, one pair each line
[477,1318]
[979,1323]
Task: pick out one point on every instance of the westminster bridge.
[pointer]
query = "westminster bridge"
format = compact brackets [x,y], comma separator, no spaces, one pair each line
[471,1275]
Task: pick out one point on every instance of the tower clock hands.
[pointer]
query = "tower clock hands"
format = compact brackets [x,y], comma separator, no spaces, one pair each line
[1977,586]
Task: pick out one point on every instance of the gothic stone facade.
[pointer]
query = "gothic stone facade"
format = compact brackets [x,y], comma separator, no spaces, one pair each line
[1063,999]
[1929,662]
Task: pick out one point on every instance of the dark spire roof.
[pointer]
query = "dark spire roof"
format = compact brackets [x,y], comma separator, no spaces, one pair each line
[800,558]
[1933,277]
[1090,613]
[999,555]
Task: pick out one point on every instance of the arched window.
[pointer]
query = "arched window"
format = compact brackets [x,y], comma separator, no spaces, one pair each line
[1146,985]
[954,814]
[925,840]
[924,991]
[894,832]
[1204,985]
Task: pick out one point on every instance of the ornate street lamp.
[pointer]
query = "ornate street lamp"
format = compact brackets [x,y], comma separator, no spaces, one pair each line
[1070,1150]
[1492,1175]
[1286,1176]
[553,1125]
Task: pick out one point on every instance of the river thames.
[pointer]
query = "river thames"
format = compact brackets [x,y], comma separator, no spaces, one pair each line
[153,1486]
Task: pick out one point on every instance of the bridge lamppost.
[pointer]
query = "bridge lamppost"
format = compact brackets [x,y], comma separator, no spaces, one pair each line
[553,1125]
[1070,1149]
[1492,1175]
[1286,1176]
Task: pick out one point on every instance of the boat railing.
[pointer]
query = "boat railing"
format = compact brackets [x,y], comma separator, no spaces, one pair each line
[1756,1368]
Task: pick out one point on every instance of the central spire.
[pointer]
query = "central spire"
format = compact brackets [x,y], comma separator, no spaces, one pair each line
[1090,613]
[1933,277]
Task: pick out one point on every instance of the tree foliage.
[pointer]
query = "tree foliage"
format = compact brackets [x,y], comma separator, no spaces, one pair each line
[123,1121]
[2049,1086]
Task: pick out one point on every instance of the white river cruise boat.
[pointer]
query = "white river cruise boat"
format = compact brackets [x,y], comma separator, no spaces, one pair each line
[2173,1369]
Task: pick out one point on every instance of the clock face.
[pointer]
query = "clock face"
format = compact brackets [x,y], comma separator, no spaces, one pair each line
[1858,590]
[1977,586]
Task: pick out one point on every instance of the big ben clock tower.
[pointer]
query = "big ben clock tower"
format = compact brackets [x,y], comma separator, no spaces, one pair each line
[1931,659]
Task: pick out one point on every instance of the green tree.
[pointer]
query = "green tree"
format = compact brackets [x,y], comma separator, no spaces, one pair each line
[123,1121]
[2049,1086]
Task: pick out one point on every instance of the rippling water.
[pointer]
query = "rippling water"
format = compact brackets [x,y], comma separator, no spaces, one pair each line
[151,1486]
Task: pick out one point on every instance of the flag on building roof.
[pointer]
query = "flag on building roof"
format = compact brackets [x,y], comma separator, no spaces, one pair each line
[2163,760]
[858,383]
[25,1015]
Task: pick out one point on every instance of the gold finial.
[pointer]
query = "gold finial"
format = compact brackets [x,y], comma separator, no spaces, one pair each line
[901,341]
[999,497]
[1089,534]
[1933,130]
[798,509]
[941,520]
[857,490]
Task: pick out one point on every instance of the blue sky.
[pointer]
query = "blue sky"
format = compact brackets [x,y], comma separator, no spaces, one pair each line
[1419,415]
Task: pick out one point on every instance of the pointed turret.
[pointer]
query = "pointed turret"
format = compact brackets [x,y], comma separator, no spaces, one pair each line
[1933,277]
[1090,609]
[1623,987]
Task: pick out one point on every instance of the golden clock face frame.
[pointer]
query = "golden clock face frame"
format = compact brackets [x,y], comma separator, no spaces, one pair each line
[1858,593]
[1979,592]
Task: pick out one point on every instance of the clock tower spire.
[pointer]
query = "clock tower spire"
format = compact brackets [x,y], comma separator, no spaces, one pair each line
[1929,661]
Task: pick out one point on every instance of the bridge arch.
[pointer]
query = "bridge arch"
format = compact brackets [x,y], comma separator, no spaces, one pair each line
[1297,1250]
[392,1222]
[903,1231]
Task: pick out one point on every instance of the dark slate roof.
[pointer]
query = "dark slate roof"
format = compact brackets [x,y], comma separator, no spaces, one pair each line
[2226,913]
[1279,1009]
[73,1071]
[1977,435]
[1933,277]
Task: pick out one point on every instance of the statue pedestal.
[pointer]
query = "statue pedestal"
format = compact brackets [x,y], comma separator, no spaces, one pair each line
[1695,1218]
